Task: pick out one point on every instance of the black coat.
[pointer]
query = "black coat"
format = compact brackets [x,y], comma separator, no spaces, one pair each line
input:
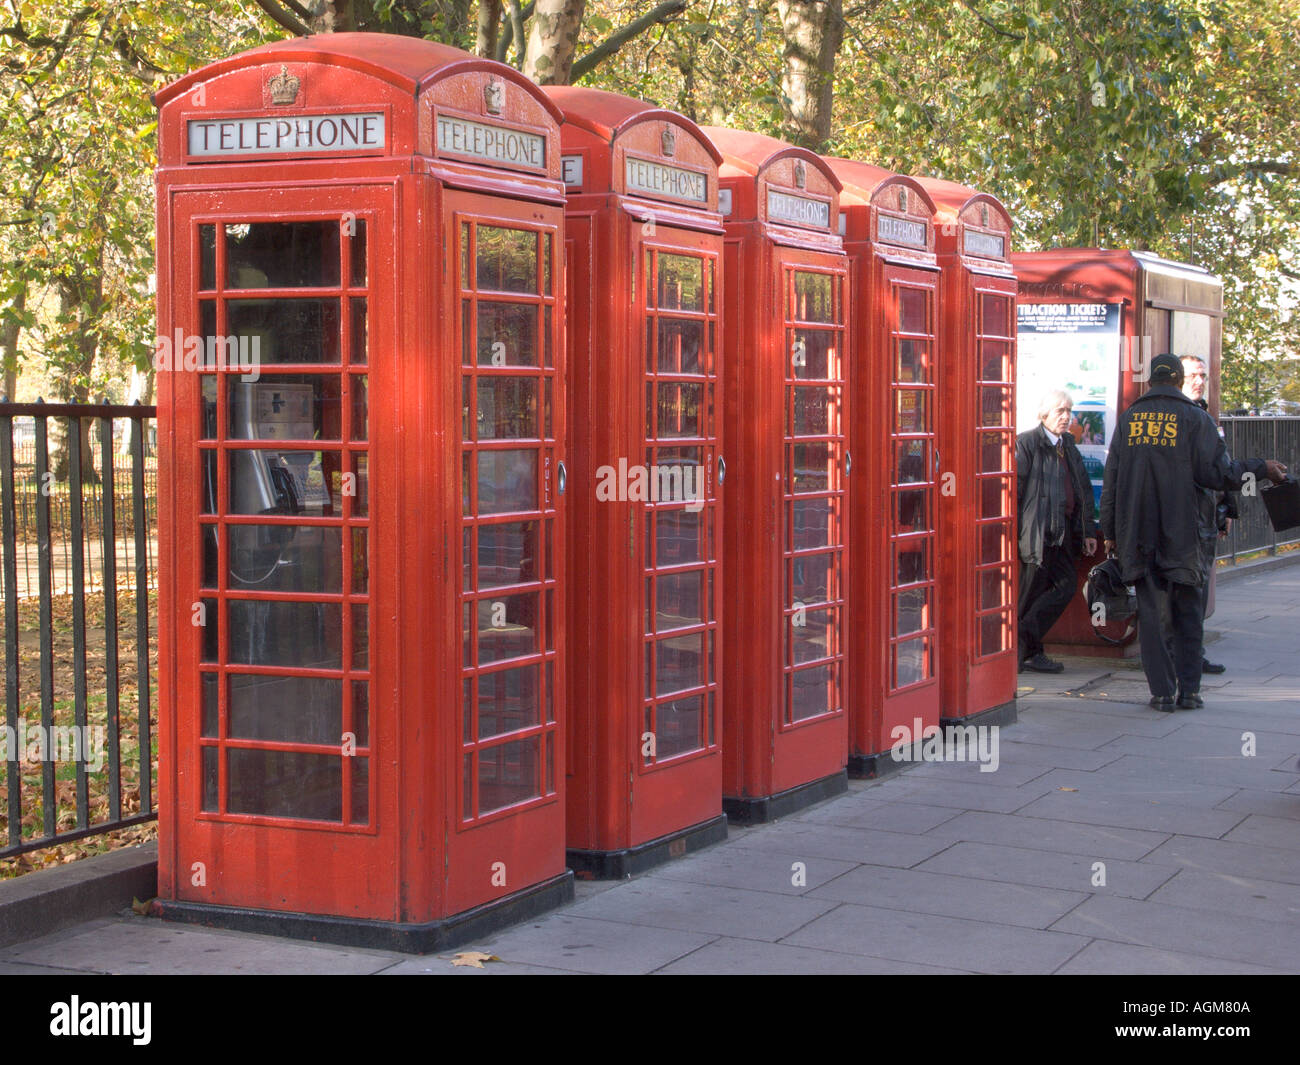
[1165,450]
[1040,492]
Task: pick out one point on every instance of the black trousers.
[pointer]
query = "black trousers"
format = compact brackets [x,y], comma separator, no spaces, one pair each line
[1208,548]
[1170,625]
[1045,591]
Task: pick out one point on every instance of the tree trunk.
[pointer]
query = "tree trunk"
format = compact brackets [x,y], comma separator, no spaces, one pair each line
[84,296]
[553,40]
[812,29]
[489,28]
[9,346]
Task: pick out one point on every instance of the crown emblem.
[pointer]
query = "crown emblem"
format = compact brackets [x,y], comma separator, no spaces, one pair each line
[800,174]
[902,199]
[984,215]
[494,96]
[284,87]
[668,141]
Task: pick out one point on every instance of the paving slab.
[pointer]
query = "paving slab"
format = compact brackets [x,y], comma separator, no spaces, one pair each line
[977,946]
[755,869]
[1068,872]
[1271,803]
[1037,833]
[1105,958]
[148,946]
[586,945]
[940,790]
[1006,774]
[916,891]
[908,817]
[1052,756]
[809,841]
[1220,855]
[709,908]
[728,956]
[1119,810]
[1269,831]
[1226,936]
[1232,893]
[1126,779]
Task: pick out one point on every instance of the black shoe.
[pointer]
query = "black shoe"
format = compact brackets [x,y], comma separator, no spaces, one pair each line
[1211,667]
[1190,701]
[1040,663]
[1163,703]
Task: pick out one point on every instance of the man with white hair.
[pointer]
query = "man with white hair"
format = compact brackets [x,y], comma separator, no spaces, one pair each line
[1214,510]
[1057,519]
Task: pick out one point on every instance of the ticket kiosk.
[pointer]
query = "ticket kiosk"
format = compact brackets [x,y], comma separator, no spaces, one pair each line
[1089,322]
[978,556]
[785,309]
[362,552]
[644,245]
[893,601]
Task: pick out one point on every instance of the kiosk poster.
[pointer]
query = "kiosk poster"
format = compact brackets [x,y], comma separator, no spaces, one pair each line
[1074,347]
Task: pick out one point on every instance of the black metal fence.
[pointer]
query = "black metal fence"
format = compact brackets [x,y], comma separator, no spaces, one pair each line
[1263,438]
[77,743]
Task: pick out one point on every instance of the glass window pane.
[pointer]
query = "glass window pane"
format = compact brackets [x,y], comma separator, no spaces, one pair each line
[912,362]
[677,600]
[507,334]
[677,537]
[681,283]
[286,407]
[813,522]
[285,634]
[913,310]
[995,589]
[679,409]
[507,408]
[995,360]
[207,257]
[812,467]
[361,712]
[360,353]
[211,787]
[285,558]
[360,387]
[270,331]
[994,634]
[911,465]
[360,636]
[507,701]
[815,411]
[677,727]
[813,297]
[361,791]
[812,579]
[282,254]
[286,709]
[812,355]
[993,497]
[995,407]
[678,661]
[995,542]
[812,639]
[913,510]
[812,692]
[993,452]
[911,661]
[507,481]
[911,561]
[506,259]
[358,242]
[679,346]
[911,610]
[912,411]
[507,554]
[211,708]
[285,482]
[507,627]
[284,784]
[995,315]
[507,774]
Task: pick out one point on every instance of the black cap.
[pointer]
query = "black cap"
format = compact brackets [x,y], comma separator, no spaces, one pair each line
[1166,366]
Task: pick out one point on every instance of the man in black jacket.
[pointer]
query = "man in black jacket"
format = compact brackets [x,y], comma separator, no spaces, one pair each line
[1056,520]
[1164,449]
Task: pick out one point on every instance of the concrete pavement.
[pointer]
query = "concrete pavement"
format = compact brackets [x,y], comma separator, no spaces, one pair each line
[1110,839]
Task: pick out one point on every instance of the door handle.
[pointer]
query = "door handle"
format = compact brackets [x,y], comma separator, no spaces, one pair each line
[848,463]
[561,477]
[722,469]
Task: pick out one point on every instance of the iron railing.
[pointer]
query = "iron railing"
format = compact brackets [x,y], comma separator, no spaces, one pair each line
[85,765]
[1261,438]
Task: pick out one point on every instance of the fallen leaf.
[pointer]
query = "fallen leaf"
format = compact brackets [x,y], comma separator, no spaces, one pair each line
[142,908]
[473,958]
[1067,789]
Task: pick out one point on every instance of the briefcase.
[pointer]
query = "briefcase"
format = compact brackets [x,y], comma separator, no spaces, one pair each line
[1282,501]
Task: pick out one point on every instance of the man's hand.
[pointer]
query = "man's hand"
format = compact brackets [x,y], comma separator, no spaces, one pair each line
[1276,471]
[1089,547]
[1227,528]
[1110,547]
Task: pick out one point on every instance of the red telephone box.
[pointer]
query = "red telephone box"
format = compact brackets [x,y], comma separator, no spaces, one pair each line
[978,559]
[785,729]
[894,592]
[1090,321]
[644,244]
[361,539]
